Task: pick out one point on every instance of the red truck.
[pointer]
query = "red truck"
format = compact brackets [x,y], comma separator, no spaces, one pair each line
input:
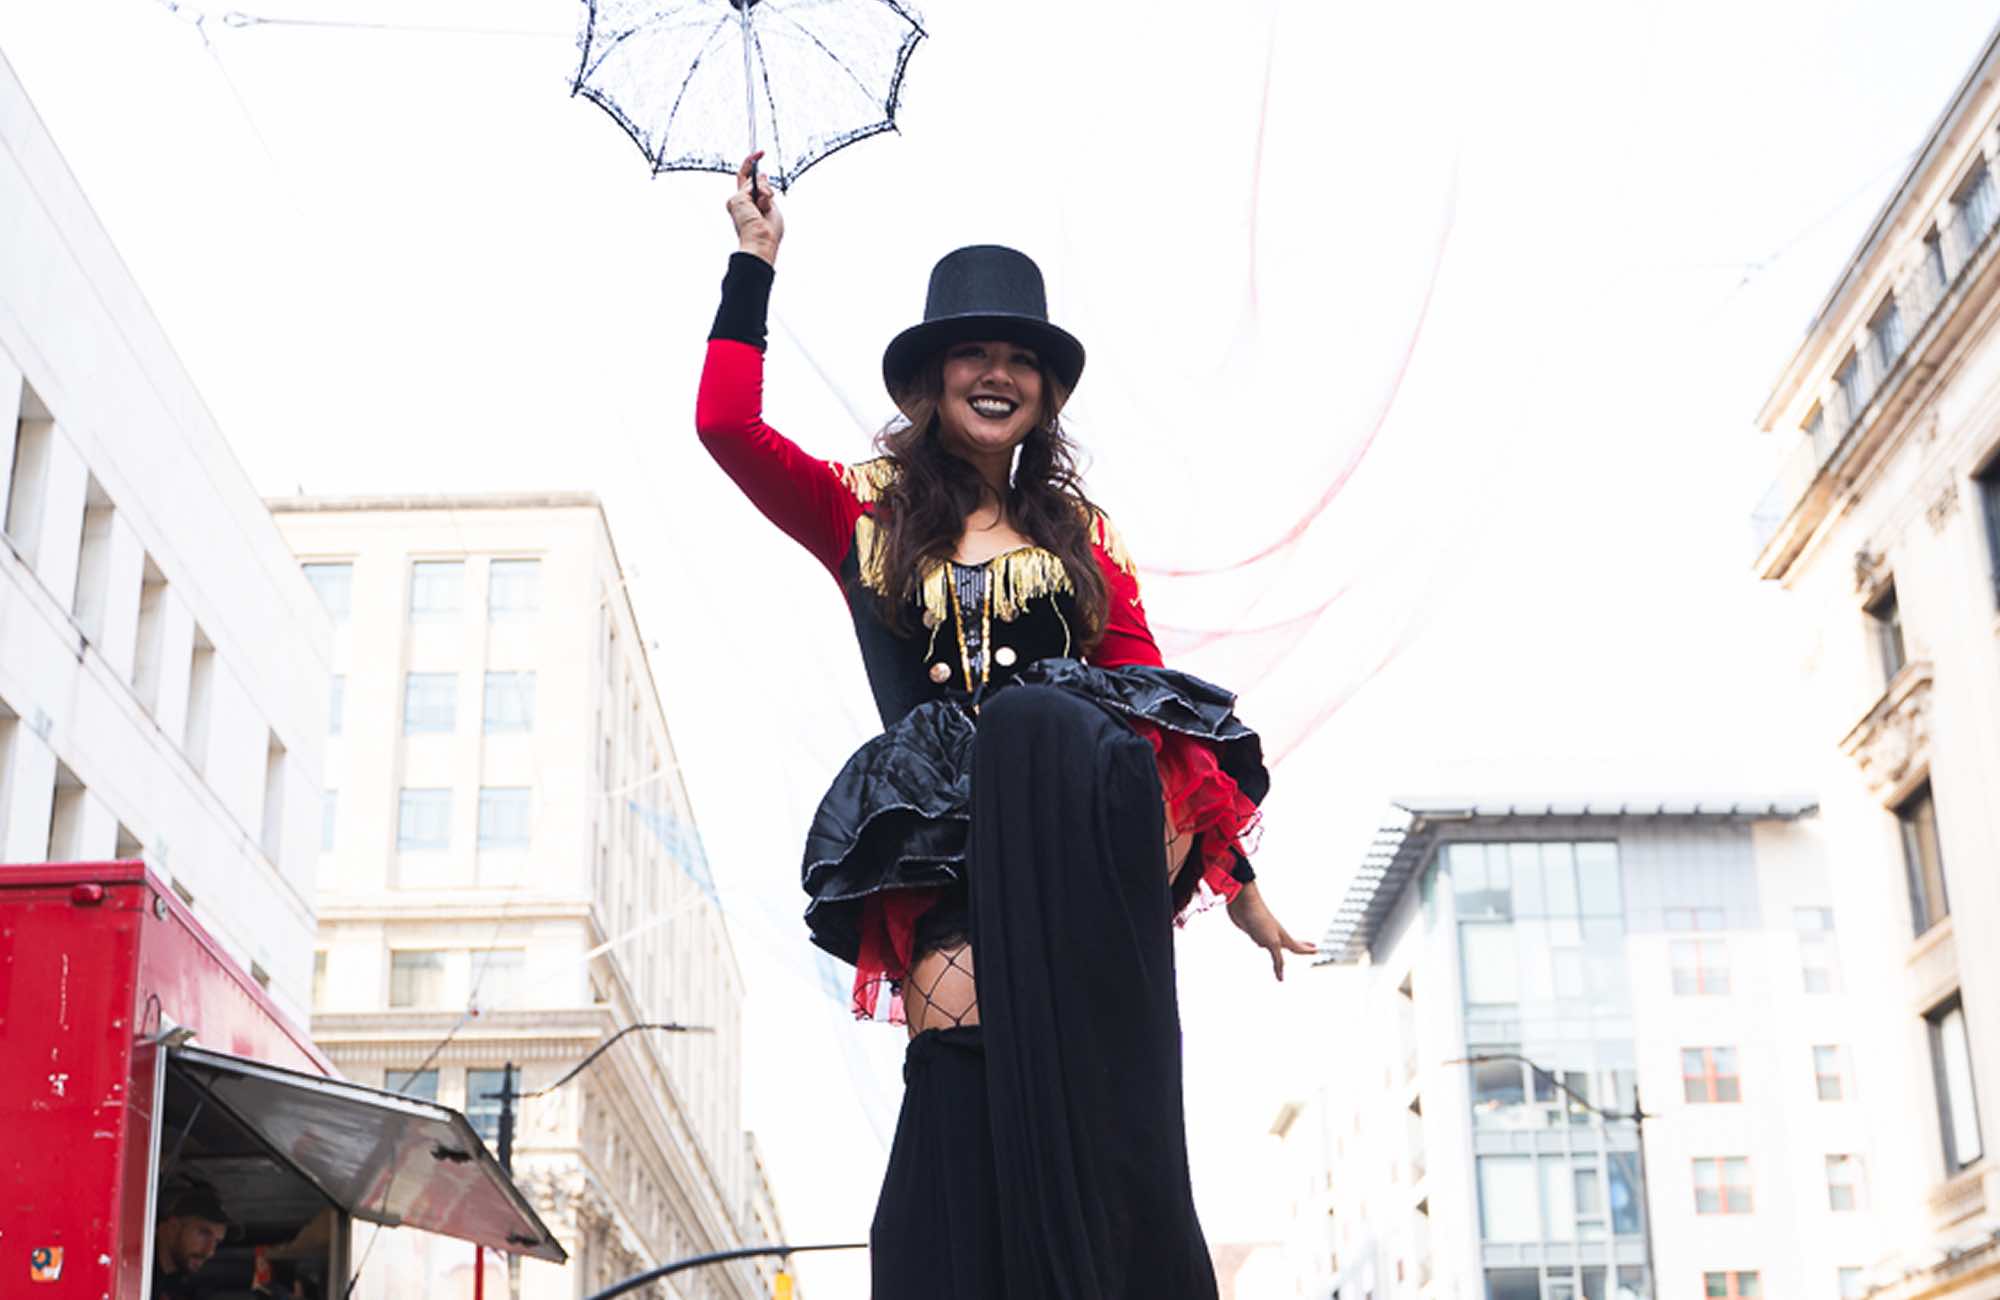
[134,1054]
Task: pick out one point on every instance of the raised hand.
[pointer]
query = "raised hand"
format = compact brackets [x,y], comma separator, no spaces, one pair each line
[760,227]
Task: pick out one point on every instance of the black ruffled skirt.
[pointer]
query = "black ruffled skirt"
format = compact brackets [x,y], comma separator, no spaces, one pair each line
[898,814]
[1042,1152]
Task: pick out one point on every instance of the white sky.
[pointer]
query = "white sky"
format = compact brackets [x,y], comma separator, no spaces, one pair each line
[398,261]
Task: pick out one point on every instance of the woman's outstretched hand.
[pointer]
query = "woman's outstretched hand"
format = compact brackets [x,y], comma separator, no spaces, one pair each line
[760,227]
[1252,917]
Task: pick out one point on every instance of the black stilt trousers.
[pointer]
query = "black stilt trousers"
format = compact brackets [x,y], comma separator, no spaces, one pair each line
[1042,1155]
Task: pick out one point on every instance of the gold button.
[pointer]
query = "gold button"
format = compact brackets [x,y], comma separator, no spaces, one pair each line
[940,673]
[1005,656]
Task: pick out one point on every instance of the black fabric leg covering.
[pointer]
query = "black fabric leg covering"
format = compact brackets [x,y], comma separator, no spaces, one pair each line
[936,1229]
[1073,936]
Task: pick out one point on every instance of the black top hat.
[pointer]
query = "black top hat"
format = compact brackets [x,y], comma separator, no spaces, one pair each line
[984,291]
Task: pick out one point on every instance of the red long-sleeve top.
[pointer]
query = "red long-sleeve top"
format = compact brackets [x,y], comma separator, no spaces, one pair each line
[818,503]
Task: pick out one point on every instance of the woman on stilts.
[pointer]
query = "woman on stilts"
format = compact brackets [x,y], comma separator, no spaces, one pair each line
[1045,798]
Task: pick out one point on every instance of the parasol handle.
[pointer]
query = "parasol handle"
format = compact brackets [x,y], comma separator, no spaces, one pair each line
[749,88]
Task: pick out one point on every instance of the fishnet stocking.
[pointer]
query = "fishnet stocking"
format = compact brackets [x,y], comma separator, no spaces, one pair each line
[941,990]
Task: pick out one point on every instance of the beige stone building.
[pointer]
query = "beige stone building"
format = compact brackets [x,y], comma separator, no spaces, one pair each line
[1884,526]
[509,871]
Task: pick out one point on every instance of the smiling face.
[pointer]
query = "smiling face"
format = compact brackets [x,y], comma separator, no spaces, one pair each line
[991,399]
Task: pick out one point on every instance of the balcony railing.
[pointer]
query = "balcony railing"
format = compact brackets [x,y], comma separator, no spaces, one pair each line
[1850,400]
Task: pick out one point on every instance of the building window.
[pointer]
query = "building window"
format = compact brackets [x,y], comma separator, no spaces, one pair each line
[1817,433]
[200,700]
[1513,1284]
[1975,203]
[1492,971]
[1989,508]
[1730,1286]
[1722,1185]
[1885,618]
[430,704]
[513,589]
[1951,1068]
[319,981]
[1819,964]
[1843,1182]
[1885,334]
[1708,1075]
[1700,966]
[1829,1073]
[34,444]
[503,817]
[1851,1284]
[416,978]
[510,701]
[1509,1203]
[496,977]
[420,1084]
[93,563]
[423,821]
[1853,390]
[482,1102]
[1923,860]
[272,838]
[437,590]
[148,653]
[329,818]
[334,585]
[336,704]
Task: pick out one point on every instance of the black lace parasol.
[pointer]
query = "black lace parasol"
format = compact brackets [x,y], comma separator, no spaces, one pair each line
[679,75]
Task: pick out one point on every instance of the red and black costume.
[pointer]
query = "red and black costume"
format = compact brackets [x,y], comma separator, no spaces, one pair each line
[1015,797]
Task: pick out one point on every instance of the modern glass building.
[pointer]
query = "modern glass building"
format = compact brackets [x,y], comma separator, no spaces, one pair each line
[1586,1045]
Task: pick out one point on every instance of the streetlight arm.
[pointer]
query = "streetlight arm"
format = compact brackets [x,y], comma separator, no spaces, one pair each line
[1637,1115]
[638,1280]
[605,1046]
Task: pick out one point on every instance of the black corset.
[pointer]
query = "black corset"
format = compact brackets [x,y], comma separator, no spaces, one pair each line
[967,652]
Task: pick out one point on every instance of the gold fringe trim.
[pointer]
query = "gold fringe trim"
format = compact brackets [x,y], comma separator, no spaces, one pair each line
[869,479]
[1107,537]
[936,595]
[871,554]
[1017,576]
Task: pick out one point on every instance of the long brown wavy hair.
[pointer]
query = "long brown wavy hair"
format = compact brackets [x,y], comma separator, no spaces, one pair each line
[925,506]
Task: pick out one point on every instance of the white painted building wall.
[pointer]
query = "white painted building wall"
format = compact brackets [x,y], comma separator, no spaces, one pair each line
[162,665]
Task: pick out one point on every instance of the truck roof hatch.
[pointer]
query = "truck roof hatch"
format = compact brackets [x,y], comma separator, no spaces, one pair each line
[397,1161]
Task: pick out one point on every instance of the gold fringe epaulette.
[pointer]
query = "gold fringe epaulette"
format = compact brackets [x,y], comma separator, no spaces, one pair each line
[868,479]
[1113,545]
[870,554]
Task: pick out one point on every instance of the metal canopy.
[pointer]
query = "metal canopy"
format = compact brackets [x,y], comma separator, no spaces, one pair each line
[1413,828]
[385,1159]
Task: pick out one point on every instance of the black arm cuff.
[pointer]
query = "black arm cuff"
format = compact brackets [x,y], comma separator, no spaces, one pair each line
[746,299]
[1241,872]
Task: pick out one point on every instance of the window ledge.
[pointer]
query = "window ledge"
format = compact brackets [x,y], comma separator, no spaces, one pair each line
[1892,739]
[1959,1197]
